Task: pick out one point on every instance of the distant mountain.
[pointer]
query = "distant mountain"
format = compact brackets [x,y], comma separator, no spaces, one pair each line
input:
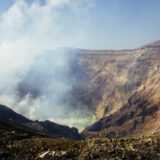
[14,122]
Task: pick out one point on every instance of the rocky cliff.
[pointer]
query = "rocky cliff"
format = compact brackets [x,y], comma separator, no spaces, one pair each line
[123,90]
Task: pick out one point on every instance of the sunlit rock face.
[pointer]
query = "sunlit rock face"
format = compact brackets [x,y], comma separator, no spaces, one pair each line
[128,88]
[114,76]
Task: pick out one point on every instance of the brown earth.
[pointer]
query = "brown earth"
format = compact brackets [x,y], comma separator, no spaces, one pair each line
[121,90]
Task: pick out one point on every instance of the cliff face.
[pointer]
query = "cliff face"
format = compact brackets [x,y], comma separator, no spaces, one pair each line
[121,89]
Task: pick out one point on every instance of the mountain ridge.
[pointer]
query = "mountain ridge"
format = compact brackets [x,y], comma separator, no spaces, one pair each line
[17,122]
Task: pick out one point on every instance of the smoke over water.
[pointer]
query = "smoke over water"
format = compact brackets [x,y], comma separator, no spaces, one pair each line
[35,76]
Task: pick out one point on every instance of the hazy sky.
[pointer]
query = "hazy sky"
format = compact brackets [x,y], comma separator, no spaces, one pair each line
[100,23]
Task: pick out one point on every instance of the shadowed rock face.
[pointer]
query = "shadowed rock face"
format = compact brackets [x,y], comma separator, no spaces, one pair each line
[11,121]
[124,91]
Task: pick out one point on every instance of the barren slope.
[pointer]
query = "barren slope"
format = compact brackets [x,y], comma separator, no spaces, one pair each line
[124,89]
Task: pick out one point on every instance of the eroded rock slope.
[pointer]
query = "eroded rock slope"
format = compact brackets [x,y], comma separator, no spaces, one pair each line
[123,90]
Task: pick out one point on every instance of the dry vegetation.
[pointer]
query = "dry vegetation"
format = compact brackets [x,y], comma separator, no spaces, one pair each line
[23,147]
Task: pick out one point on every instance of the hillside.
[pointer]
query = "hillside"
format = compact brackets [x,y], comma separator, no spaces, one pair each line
[12,122]
[123,91]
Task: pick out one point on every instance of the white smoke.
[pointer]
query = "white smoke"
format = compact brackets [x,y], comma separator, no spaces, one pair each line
[29,34]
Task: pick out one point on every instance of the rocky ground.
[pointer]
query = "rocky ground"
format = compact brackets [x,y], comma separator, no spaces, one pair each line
[24,147]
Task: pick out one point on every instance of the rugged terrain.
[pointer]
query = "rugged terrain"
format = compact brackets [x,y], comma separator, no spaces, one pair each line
[119,89]
[37,148]
[20,142]
[122,90]
[101,83]
[115,76]
[12,122]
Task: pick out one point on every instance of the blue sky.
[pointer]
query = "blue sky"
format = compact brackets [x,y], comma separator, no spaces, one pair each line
[128,23]
[109,24]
